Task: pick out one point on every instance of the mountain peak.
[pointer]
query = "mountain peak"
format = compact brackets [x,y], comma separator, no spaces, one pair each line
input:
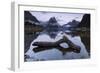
[85,22]
[29,16]
[52,20]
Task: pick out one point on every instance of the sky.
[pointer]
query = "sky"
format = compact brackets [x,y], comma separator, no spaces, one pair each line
[62,18]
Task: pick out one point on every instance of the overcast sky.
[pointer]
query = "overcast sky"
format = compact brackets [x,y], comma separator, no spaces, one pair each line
[62,18]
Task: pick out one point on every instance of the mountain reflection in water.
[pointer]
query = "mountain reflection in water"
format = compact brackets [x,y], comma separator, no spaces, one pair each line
[54,54]
[51,32]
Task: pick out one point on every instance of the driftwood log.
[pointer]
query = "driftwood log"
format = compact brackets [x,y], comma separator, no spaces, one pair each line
[42,46]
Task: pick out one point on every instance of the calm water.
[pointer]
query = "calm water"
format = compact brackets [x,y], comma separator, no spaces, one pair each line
[54,54]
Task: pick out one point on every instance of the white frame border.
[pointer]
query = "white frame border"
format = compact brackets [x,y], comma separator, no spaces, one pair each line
[17,64]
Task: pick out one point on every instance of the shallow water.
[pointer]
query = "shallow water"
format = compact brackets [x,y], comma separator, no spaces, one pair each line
[54,54]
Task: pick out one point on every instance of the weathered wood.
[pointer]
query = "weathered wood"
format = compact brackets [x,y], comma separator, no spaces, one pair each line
[63,50]
[84,33]
[42,46]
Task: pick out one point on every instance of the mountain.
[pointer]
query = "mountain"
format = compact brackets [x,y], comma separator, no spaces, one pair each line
[74,23]
[85,22]
[52,20]
[52,24]
[32,25]
[29,16]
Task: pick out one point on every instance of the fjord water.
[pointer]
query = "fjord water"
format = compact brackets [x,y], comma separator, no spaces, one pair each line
[54,54]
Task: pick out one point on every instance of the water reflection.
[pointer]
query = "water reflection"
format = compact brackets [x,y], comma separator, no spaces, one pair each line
[51,41]
[53,53]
